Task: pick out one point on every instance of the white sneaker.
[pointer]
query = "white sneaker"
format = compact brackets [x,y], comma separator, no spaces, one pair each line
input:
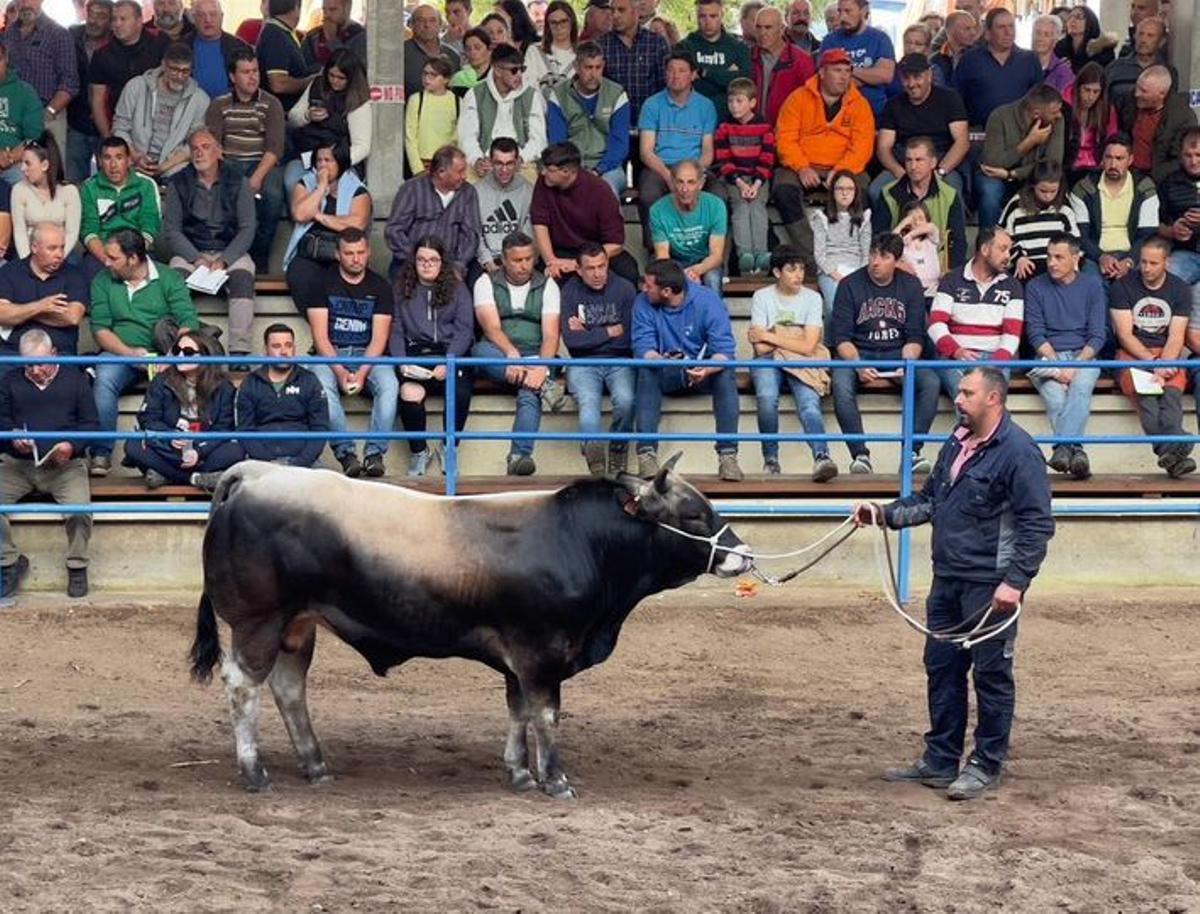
[921,464]
[861,465]
[418,463]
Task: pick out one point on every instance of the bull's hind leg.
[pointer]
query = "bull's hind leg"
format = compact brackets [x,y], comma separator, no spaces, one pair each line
[288,682]
[516,749]
[242,689]
[544,705]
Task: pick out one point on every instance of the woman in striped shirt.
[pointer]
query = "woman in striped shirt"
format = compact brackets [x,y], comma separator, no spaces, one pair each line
[1038,211]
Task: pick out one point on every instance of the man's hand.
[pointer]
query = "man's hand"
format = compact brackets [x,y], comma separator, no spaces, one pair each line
[614,330]
[690,273]
[809,178]
[867,375]
[52,303]
[757,334]
[535,377]
[559,266]
[967,355]
[697,375]
[439,372]
[1066,375]
[993,171]
[1006,599]
[482,166]
[62,452]
[492,267]
[514,374]
[216,264]
[255,183]
[1192,216]
[867,514]
[22,445]
[1166,373]
[1039,133]
[750,191]
[1025,268]
[1181,229]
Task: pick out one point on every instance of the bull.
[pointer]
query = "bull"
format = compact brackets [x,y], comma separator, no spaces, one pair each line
[534,585]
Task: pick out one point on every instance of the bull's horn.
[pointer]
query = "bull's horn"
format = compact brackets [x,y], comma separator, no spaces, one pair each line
[672,460]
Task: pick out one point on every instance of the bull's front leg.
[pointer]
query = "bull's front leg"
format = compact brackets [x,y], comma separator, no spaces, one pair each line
[516,749]
[544,705]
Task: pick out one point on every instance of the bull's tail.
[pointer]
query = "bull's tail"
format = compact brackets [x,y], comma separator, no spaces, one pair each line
[206,649]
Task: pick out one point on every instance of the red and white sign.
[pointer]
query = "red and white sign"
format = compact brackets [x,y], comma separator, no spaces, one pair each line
[388,95]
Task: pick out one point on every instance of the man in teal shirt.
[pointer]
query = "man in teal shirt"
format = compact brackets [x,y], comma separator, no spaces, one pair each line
[689,226]
[20,119]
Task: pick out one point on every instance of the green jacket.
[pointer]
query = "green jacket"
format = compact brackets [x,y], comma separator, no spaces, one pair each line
[523,328]
[588,133]
[1007,126]
[132,318]
[107,208]
[719,63]
[488,109]
[20,112]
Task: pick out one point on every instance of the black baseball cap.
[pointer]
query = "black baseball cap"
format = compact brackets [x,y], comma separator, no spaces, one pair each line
[914,63]
[600,4]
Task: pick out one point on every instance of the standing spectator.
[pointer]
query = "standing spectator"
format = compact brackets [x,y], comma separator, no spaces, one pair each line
[997,72]
[116,198]
[744,155]
[1020,135]
[841,236]
[689,226]
[1116,212]
[1065,320]
[82,136]
[339,32]
[433,317]
[430,117]
[720,57]
[870,49]
[1156,118]
[665,28]
[503,105]
[518,310]
[1150,309]
[158,110]
[1139,11]
[352,317]
[674,318]
[46,398]
[597,20]
[208,221]
[458,24]
[42,291]
[20,119]
[170,20]
[279,56]
[978,312]
[1179,216]
[922,182]
[438,202]
[879,315]
[1149,50]
[212,48]
[550,62]
[826,126]
[599,309]
[1038,212]
[42,54]
[43,198]
[186,397]
[799,30]
[476,62]
[504,200]
[778,67]
[329,200]
[747,13]
[281,397]
[962,34]
[332,111]
[249,126]
[425,43]
[592,112]
[1084,43]
[1092,123]
[129,301]
[918,41]
[569,211]
[1056,72]
[132,51]
[786,322]
[636,60]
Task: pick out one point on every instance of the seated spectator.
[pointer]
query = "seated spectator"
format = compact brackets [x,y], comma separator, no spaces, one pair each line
[597,20]
[518,310]
[329,199]
[1039,212]
[6,228]
[132,51]
[476,62]
[437,202]
[158,110]
[43,197]
[113,199]
[431,117]
[433,316]
[664,27]
[504,200]
[870,51]
[569,210]
[282,397]
[208,221]
[352,318]
[550,62]
[786,322]
[332,111]
[458,23]
[22,118]
[1084,43]
[744,156]
[46,398]
[213,48]
[922,182]
[635,58]
[879,315]
[720,57]
[1149,49]
[921,110]
[799,30]
[132,301]
[499,30]
[281,60]
[778,66]
[1065,320]
[962,32]
[249,126]
[503,105]
[1019,135]
[592,112]
[825,126]
[921,241]
[675,318]
[689,227]
[841,236]
[337,32]
[1156,118]
[1092,122]
[43,292]
[524,32]
[979,311]
[1110,241]
[1056,72]
[600,305]
[189,397]
[917,40]
[169,20]
[1150,309]
[674,125]
[1179,215]
[996,72]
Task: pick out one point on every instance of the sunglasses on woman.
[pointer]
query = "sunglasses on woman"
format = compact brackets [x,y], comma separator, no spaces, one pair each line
[185,350]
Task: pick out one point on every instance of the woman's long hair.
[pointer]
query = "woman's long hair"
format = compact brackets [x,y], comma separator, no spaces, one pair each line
[1043,172]
[1097,116]
[521,27]
[45,147]
[560,6]
[445,284]
[358,90]
[208,376]
[855,209]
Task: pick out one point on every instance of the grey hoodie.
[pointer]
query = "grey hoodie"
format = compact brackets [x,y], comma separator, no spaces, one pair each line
[502,210]
[134,117]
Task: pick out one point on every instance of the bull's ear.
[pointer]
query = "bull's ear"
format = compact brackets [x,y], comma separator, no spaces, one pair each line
[660,480]
[632,493]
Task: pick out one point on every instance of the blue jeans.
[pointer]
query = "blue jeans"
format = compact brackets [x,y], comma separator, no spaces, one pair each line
[384,389]
[1186,265]
[652,383]
[950,603]
[808,409]
[1068,405]
[587,383]
[77,162]
[950,377]
[269,208]
[528,417]
[111,381]
[990,196]
[616,180]
[845,400]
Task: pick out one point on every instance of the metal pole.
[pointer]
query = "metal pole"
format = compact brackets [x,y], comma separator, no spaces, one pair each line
[449,423]
[908,398]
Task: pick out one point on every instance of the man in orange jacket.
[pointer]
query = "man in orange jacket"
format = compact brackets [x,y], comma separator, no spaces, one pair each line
[826,126]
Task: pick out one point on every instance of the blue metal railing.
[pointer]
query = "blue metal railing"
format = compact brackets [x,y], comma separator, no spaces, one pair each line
[452,439]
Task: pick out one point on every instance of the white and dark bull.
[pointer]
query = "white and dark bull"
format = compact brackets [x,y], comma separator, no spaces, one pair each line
[536,586]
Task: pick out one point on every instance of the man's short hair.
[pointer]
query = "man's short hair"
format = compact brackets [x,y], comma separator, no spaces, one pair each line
[686,56]
[114,142]
[743,87]
[591,249]
[888,243]
[993,379]
[588,50]
[444,158]
[988,234]
[562,155]
[505,145]
[277,328]
[441,66]
[40,228]
[129,242]
[1118,139]
[103,4]
[667,274]
[34,340]
[351,235]
[927,142]
[1053,20]
[1189,137]
[506,54]
[1158,242]
[515,240]
[132,5]
[203,129]
[240,54]
[787,255]
[687,163]
[463,3]
[1043,94]
[178,52]
[282,7]
[1071,241]
[990,17]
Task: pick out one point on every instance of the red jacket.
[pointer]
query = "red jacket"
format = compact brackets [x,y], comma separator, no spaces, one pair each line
[792,70]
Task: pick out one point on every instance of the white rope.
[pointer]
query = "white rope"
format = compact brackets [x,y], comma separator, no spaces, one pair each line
[756,556]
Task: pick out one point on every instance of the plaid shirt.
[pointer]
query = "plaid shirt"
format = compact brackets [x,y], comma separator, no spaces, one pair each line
[640,70]
[46,59]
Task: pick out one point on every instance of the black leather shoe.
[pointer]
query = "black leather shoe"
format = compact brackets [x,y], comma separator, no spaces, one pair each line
[77,583]
[11,575]
[919,772]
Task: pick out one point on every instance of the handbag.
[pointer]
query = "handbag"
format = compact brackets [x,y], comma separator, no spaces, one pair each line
[319,246]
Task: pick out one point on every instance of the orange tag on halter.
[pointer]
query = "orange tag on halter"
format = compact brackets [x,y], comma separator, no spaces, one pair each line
[746,588]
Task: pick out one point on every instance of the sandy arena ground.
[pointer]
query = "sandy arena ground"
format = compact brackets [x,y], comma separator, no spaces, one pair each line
[727,759]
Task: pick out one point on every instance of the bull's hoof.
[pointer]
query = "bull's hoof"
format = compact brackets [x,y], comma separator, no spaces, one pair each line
[317,778]
[559,789]
[522,781]
[256,779]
